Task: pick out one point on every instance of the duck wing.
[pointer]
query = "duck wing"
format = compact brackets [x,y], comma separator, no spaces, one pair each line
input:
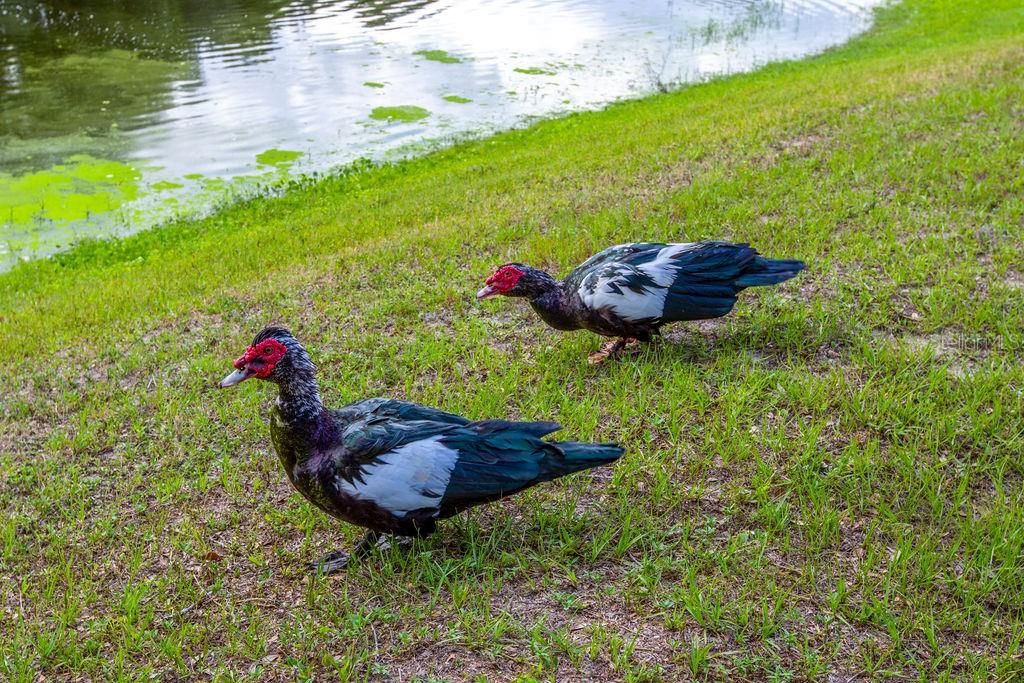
[615,254]
[653,283]
[498,458]
[393,408]
[627,281]
[402,466]
[426,468]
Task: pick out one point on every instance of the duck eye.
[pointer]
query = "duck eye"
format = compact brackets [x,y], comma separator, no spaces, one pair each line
[267,351]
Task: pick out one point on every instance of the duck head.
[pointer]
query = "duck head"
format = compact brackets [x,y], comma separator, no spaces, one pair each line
[275,355]
[515,279]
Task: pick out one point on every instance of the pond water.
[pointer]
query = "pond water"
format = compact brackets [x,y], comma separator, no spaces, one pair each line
[117,115]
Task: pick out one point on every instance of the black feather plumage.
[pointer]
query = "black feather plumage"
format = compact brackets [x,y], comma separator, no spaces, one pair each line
[632,290]
[397,467]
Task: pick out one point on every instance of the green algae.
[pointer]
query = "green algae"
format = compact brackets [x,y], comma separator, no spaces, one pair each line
[373,84]
[457,99]
[165,185]
[214,184]
[76,189]
[26,155]
[442,56]
[68,94]
[534,71]
[405,112]
[278,158]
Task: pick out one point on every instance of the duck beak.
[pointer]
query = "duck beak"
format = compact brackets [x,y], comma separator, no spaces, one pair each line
[487,292]
[236,377]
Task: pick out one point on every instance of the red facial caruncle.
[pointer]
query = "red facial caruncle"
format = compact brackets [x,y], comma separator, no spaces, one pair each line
[261,359]
[503,280]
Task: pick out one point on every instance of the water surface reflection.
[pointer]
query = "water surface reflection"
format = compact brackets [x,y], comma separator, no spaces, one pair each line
[116,114]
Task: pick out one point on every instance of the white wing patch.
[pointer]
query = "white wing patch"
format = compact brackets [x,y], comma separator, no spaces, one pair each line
[411,477]
[611,288]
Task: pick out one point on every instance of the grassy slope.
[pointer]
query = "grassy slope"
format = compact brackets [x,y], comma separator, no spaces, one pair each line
[829,479]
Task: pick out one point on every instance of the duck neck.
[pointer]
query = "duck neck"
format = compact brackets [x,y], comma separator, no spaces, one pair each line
[298,399]
[539,284]
[551,305]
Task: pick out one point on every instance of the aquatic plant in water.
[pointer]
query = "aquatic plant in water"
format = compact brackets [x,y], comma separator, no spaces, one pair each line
[534,71]
[278,158]
[438,56]
[405,112]
[75,189]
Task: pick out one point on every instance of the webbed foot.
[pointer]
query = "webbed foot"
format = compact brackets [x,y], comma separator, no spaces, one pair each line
[339,559]
[330,563]
[612,349]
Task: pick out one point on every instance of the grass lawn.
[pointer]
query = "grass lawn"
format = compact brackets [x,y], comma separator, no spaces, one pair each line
[828,483]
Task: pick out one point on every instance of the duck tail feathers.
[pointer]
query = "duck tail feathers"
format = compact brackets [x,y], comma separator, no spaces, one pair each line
[573,456]
[768,271]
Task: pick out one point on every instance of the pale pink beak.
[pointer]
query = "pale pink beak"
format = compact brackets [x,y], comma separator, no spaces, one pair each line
[236,377]
[487,292]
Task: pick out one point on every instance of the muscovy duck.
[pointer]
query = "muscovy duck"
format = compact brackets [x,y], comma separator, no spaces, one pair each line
[395,467]
[630,290]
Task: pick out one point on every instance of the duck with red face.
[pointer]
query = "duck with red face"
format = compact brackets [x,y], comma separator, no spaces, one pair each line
[630,290]
[258,361]
[395,467]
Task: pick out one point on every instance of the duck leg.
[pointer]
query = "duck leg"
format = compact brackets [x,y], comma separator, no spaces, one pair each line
[611,350]
[387,542]
[339,559]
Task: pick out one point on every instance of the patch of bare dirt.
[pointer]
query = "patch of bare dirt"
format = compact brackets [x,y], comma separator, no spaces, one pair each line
[1014,280]
[962,353]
